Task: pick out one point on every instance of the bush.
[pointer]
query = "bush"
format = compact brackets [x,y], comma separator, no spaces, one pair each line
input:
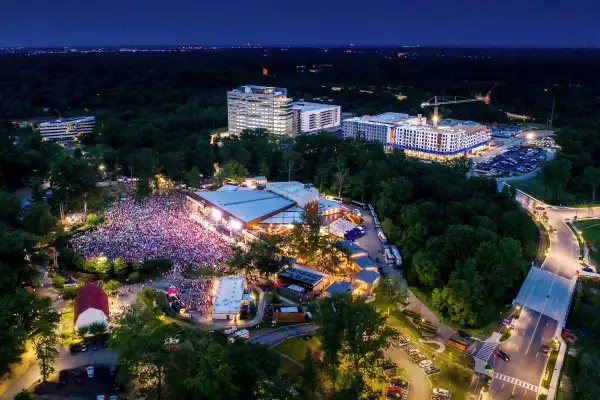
[58,281]
[92,219]
[134,276]
[155,264]
[111,287]
[69,293]
[22,395]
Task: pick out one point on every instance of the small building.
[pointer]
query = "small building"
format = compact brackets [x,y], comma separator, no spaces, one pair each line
[367,280]
[91,306]
[228,299]
[359,256]
[341,287]
[307,278]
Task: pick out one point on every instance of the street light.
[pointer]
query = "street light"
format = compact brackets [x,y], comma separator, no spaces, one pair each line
[101,167]
[216,214]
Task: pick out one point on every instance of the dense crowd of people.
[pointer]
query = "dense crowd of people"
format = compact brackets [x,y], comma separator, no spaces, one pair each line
[158,226]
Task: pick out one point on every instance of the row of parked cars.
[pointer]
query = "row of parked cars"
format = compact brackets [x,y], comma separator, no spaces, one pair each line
[398,387]
[415,355]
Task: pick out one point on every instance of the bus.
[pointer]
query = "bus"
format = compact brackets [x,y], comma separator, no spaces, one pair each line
[459,343]
[396,254]
[381,236]
[389,257]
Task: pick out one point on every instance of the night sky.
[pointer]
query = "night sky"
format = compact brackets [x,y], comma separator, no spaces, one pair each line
[512,23]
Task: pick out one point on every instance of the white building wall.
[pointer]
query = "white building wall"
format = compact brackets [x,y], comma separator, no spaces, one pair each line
[91,316]
[313,120]
[250,107]
[67,129]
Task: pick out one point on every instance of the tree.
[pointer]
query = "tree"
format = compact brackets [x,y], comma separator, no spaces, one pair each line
[111,287]
[591,177]
[555,174]
[142,188]
[460,165]
[192,177]
[38,219]
[309,377]
[233,170]
[292,162]
[120,267]
[353,337]
[46,352]
[22,395]
[72,177]
[140,341]
[340,175]
[392,291]
[96,330]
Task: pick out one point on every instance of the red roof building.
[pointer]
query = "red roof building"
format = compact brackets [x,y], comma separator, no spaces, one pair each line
[91,306]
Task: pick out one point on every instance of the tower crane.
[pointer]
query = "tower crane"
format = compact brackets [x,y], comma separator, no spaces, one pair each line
[437,101]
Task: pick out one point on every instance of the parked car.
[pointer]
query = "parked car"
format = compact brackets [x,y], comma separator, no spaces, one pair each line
[588,269]
[77,348]
[442,393]
[463,334]
[425,363]
[545,348]
[90,371]
[397,381]
[62,377]
[100,397]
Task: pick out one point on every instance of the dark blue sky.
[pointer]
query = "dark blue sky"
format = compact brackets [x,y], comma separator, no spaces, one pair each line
[515,23]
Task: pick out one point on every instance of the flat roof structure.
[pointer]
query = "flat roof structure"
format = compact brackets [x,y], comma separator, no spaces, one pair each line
[227,301]
[300,274]
[246,205]
[367,276]
[355,250]
[289,216]
[302,193]
[339,287]
[307,106]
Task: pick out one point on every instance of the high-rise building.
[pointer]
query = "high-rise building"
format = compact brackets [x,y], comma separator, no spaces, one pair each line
[67,129]
[451,138]
[313,117]
[252,107]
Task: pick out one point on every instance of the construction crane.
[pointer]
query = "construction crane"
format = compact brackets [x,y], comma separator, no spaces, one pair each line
[437,101]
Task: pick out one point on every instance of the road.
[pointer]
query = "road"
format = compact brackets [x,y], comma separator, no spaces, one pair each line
[545,298]
[420,388]
[65,361]
[276,336]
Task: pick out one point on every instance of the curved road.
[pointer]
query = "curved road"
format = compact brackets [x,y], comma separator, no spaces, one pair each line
[545,297]
[278,335]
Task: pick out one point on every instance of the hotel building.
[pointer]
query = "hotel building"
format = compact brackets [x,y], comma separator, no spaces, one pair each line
[252,107]
[313,117]
[451,138]
[67,129]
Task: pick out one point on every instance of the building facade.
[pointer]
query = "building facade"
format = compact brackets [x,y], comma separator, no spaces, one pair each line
[451,138]
[67,129]
[313,117]
[252,107]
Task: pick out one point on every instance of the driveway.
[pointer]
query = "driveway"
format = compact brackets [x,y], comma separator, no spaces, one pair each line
[276,336]
[420,388]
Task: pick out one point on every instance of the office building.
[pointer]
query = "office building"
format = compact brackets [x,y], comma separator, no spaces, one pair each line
[451,138]
[252,107]
[313,117]
[67,129]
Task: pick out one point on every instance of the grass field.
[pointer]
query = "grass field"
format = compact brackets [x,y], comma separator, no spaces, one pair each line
[536,188]
[295,348]
[591,232]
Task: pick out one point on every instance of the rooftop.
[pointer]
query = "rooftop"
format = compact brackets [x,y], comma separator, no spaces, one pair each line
[367,276]
[246,205]
[289,216]
[261,90]
[303,274]
[229,295]
[68,120]
[306,106]
[339,287]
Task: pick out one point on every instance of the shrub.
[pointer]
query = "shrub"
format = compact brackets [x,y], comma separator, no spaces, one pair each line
[92,219]
[69,293]
[58,281]
[111,287]
[22,395]
[134,276]
[155,264]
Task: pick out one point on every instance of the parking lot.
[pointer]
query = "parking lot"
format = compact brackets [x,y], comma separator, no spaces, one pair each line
[515,161]
[77,385]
